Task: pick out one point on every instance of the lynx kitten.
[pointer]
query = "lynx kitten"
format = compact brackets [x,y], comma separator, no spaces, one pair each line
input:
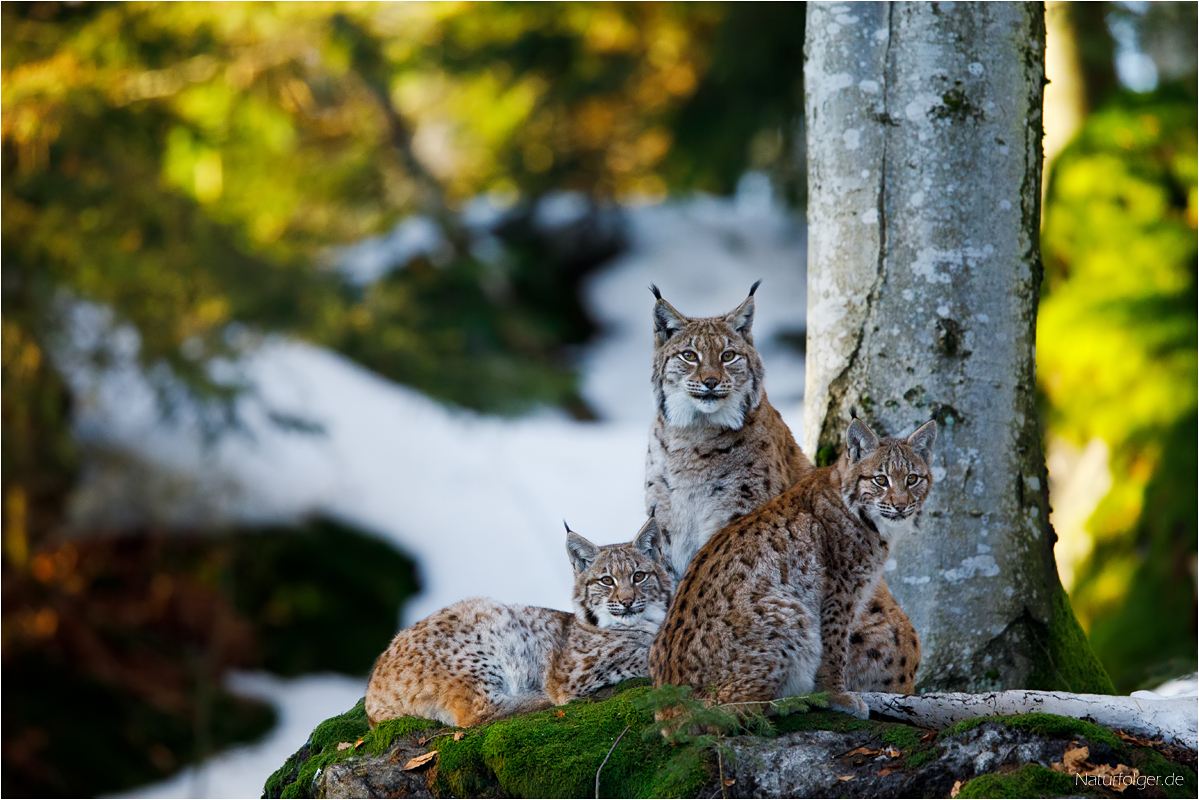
[718,450]
[478,660]
[765,610]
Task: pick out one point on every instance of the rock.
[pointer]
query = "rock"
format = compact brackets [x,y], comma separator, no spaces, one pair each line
[557,752]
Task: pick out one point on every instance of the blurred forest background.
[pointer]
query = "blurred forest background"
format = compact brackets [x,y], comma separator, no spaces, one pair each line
[193,175]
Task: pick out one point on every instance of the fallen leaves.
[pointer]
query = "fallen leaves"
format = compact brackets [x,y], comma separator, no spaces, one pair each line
[458,736]
[956,790]
[559,713]
[845,777]
[1117,778]
[344,746]
[421,760]
[1138,741]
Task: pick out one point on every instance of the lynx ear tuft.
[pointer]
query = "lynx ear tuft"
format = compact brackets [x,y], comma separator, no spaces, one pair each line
[742,319]
[859,440]
[646,541]
[582,552]
[754,288]
[923,439]
[667,321]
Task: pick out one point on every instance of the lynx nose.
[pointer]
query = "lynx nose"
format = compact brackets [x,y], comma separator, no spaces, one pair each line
[711,383]
[899,506]
[627,602]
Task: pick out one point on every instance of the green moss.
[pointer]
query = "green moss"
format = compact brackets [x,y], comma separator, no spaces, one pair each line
[1152,763]
[903,737]
[1031,780]
[826,456]
[1049,725]
[921,757]
[552,753]
[1065,660]
[824,720]
[295,778]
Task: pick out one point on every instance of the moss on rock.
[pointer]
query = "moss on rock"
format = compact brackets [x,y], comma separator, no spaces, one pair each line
[552,753]
[1031,780]
[1049,725]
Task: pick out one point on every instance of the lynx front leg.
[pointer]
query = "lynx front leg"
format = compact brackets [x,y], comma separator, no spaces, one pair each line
[836,613]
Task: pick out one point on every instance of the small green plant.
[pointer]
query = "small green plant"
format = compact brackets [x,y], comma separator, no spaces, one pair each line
[700,725]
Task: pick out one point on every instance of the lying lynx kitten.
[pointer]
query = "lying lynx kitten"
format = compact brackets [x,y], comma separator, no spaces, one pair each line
[765,610]
[478,660]
[718,451]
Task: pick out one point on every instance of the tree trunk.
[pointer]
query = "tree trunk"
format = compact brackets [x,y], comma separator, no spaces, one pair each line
[924,160]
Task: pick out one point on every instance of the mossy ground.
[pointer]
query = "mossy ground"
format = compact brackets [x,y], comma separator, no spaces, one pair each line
[1031,780]
[556,753]
[1048,725]
[1034,781]
[552,753]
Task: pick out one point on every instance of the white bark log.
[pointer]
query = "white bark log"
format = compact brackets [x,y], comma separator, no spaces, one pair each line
[924,148]
[1171,719]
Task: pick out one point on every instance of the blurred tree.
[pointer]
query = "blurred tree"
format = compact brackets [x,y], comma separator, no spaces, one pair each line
[1117,356]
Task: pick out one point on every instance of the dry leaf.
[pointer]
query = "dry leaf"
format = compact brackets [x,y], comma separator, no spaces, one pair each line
[863,751]
[458,736]
[845,777]
[420,760]
[1130,739]
[956,790]
[891,752]
[358,743]
[928,736]
[343,746]
[887,771]
[1117,778]
[559,713]
[1072,762]
[729,781]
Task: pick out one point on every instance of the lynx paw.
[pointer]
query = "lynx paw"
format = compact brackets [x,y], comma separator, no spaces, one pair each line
[850,703]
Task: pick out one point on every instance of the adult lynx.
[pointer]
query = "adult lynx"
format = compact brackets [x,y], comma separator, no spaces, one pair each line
[478,660]
[718,451]
[765,610]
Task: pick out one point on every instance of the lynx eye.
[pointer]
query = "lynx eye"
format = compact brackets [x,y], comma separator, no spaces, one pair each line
[607,581]
[727,356]
[913,480]
[880,480]
[689,356]
[638,577]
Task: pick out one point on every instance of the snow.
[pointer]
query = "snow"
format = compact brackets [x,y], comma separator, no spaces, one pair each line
[478,501]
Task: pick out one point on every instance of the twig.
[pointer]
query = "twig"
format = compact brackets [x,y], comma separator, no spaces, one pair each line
[720,765]
[605,761]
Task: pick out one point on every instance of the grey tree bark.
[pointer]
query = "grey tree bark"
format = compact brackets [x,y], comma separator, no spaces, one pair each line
[924,162]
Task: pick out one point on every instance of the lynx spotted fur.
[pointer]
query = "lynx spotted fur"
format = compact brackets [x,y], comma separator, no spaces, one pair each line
[479,660]
[765,610]
[718,451]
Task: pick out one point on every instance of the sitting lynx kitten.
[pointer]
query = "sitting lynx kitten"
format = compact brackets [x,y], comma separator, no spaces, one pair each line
[718,450]
[478,660]
[765,610]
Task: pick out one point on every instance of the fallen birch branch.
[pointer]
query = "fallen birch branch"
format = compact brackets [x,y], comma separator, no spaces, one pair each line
[1172,719]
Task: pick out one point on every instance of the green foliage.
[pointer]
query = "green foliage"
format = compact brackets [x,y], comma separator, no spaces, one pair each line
[1117,360]
[1030,780]
[322,577]
[73,736]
